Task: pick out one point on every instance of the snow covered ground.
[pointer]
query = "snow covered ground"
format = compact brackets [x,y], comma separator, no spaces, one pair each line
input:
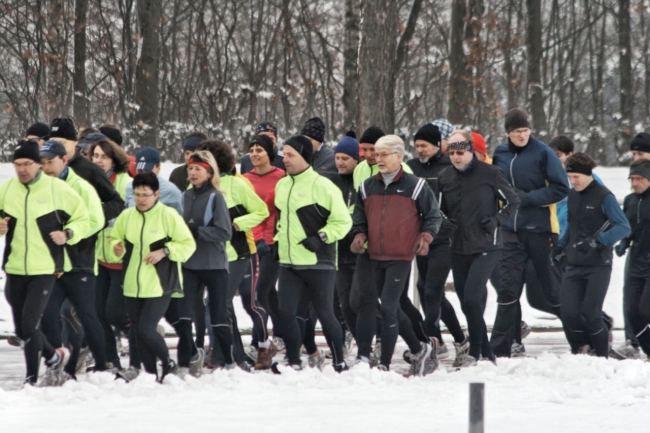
[552,392]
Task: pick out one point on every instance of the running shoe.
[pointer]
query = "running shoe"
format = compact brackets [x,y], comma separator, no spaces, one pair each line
[432,362]
[462,350]
[525,329]
[168,368]
[54,372]
[196,363]
[626,351]
[517,350]
[418,360]
[265,357]
[468,361]
[279,343]
[443,352]
[316,359]
[128,374]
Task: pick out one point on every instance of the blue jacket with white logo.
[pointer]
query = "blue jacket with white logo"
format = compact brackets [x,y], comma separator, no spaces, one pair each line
[536,170]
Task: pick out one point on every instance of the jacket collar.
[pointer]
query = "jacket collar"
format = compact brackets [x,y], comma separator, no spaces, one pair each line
[397,176]
[203,188]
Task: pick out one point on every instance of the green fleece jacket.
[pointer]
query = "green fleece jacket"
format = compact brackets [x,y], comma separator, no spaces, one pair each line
[143,232]
[35,210]
[309,204]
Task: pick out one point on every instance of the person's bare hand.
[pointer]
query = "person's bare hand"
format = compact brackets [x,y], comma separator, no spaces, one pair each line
[4,226]
[154,257]
[118,249]
[58,237]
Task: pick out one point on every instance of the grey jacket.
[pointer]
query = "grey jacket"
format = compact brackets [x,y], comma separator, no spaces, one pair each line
[170,195]
[206,213]
[323,161]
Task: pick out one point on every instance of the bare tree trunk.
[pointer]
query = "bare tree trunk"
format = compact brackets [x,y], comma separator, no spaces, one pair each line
[534,52]
[378,43]
[147,92]
[460,93]
[81,106]
[350,59]
[625,73]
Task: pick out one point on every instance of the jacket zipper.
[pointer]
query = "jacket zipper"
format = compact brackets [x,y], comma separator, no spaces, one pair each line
[137,277]
[383,212]
[26,243]
[512,177]
[293,182]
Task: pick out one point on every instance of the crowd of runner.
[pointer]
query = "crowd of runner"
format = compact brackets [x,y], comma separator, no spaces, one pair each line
[99,247]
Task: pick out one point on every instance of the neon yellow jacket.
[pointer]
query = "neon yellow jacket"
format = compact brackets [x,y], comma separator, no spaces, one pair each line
[365,171]
[104,239]
[247,210]
[308,204]
[81,256]
[44,205]
[143,232]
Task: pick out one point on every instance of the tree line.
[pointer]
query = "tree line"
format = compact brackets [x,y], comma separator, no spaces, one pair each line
[160,69]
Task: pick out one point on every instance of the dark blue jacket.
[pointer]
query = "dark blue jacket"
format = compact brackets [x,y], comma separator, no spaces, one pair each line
[536,170]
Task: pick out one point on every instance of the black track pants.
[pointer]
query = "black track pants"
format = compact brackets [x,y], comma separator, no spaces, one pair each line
[471,273]
[79,288]
[145,313]
[301,287]
[517,250]
[216,282]
[637,309]
[111,309]
[389,277]
[583,293]
[28,298]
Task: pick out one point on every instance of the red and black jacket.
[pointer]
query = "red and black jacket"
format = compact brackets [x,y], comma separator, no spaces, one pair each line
[393,216]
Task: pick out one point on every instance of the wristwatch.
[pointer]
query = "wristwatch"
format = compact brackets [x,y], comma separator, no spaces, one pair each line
[69,234]
[323,236]
[166,251]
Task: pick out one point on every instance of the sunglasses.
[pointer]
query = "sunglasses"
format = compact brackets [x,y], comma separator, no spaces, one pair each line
[456,152]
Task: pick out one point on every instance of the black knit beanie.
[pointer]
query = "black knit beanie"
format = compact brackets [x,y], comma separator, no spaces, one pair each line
[40,130]
[641,142]
[27,149]
[266,143]
[371,135]
[515,119]
[113,133]
[429,133]
[63,127]
[314,128]
[303,147]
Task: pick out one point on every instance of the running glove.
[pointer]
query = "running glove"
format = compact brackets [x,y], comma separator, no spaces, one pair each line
[447,228]
[312,243]
[262,248]
[490,224]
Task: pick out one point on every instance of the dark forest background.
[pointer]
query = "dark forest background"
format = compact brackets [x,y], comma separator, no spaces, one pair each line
[160,69]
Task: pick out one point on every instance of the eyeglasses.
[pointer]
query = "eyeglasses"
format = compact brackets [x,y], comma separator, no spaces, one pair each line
[136,195]
[456,152]
[23,164]
[384,155]
[103,157]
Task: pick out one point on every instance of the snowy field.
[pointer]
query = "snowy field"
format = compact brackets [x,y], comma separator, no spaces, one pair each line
[550,391]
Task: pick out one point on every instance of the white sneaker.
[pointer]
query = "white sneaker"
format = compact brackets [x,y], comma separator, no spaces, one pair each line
[196,364]
[54,372]
[627,351]
[316,359]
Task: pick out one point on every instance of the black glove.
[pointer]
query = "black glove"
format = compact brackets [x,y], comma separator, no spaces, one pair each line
[557,254]
[622,247]
[262,248]
[490,224]
[312,243]
[194,228]
[587,244]
[447,228]
[522,197]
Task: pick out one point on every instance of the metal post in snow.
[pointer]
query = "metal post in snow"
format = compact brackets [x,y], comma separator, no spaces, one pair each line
[476,403]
